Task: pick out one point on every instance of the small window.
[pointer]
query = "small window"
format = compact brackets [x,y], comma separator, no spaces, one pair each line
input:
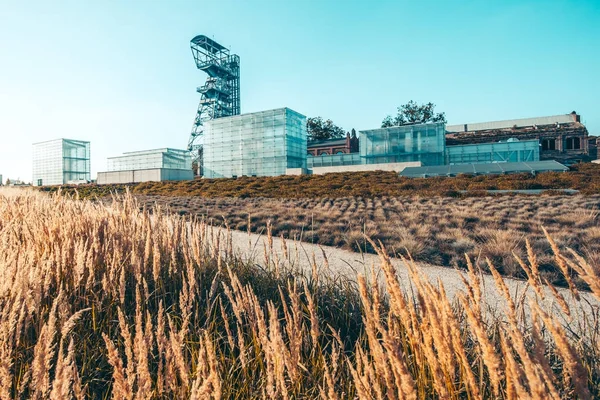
[573,143]
[548,144]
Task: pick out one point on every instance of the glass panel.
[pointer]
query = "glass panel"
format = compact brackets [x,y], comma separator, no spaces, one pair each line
[518,151]
[424,143]
[258,144]
[61,161]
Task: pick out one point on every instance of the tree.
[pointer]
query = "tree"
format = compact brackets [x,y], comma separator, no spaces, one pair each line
[317,129]
[412,113]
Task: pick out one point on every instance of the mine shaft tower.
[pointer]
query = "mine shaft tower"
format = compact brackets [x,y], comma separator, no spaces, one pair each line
[220,94]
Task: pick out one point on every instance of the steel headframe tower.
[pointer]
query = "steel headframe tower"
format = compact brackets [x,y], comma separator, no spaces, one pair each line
[220,94]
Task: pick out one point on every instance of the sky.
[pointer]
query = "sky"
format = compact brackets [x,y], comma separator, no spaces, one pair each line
[121,75]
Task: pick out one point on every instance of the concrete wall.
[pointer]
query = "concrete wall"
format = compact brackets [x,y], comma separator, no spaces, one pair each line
[296,171]
[509,123]
[144,175]
[395,167]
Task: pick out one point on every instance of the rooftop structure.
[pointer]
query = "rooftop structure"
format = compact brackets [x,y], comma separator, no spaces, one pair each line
[515,123]
[220,94]
[148,159]
[264,143]
[424,143]
[60,161]
[562,137]
[483,169]
[148,165]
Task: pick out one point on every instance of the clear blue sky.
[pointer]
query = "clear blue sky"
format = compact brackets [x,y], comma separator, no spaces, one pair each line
[121,74]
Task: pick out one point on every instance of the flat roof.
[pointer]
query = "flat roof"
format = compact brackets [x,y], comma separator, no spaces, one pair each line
[255,113]
[162,149]
[326,142]
[153,151]
[402,126]
[483,169]
[56,140]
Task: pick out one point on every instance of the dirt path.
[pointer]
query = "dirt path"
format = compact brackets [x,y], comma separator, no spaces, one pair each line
[337,262]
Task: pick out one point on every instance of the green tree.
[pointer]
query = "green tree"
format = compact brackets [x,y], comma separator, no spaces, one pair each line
[318,129]
[412,113]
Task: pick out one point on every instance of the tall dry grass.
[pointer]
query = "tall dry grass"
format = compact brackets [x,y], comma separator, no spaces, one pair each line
[114,302]
[438,231]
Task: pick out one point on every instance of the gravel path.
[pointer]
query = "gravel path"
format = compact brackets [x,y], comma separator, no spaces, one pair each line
[336,262]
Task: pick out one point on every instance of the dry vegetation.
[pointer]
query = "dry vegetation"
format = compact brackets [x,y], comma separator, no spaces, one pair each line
[438,230]
[109,301]
[582,177]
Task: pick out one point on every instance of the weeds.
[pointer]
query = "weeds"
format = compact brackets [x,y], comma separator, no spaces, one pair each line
[101,301]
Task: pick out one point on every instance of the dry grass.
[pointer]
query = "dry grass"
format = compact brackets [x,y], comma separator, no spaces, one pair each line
[438,230]
[111,302]
[583,177]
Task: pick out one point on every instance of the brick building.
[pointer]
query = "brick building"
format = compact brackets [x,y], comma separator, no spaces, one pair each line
[346,145]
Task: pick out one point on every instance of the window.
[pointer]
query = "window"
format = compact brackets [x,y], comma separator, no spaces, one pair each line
[573,143]
[548,144]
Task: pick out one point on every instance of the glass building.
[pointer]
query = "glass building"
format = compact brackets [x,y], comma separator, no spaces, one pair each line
[57,162]
[419,142]
[264,143]
[151,159]
[509,151]
[332,160]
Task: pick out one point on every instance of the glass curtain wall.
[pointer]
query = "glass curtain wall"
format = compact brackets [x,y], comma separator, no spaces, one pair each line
[57,162]
[259,144]
[516,151]
[151,159]
[76,160]
[333,160]
[423,142]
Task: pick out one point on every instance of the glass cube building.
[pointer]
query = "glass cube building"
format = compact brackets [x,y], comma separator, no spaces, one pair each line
[57,162]
[151,159]
[264,143]
[509,151]
[420,142]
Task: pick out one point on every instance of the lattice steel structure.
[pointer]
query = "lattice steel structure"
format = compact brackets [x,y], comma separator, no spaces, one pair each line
[220,94]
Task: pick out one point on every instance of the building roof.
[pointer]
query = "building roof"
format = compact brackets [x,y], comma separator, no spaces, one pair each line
[327,142]
[532,132]
[63,139]
[165,150]
[483,169]
[519,123]
[405,126]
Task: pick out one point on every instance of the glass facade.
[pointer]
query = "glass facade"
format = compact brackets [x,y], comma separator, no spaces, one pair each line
[423,142]
[333,160]
[513,151]
[265,143]
[151,159]
[60,161]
